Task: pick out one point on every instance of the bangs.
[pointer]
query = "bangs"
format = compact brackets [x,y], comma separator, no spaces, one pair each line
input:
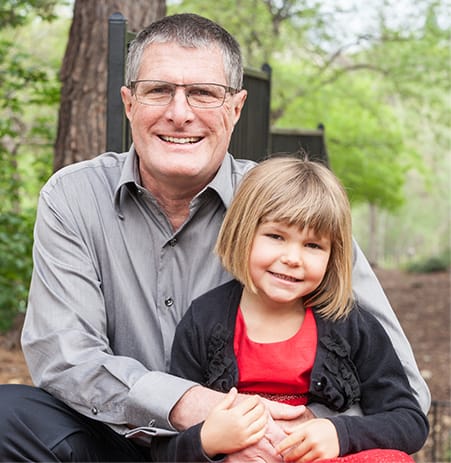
[319,216]
[309,203]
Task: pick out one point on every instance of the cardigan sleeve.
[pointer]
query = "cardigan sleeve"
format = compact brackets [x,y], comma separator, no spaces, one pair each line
[392,416]
[183,447]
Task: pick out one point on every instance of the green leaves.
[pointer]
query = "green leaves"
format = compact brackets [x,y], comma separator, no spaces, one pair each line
[15,271]
[14,13]
[29,94]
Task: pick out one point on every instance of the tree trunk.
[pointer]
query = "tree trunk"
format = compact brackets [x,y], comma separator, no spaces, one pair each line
[373,245]
[82,114]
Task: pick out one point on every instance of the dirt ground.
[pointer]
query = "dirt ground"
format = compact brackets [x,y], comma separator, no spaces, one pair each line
[421,301]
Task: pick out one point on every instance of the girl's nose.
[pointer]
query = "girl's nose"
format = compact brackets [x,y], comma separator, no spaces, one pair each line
[292,259]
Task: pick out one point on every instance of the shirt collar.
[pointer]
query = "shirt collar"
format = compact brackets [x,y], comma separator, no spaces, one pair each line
[129,175]
[221,183]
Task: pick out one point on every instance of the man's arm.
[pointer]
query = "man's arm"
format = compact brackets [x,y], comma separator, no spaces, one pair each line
[65,338]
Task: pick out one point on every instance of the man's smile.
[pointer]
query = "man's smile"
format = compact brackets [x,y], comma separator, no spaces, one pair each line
[180,140]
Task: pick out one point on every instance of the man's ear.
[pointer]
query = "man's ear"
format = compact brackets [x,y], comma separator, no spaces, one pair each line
[239,100]
[127,100]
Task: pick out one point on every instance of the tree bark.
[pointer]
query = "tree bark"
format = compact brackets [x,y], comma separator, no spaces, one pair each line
[82,115]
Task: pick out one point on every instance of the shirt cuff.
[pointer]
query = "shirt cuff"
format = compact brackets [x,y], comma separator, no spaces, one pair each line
[152,398]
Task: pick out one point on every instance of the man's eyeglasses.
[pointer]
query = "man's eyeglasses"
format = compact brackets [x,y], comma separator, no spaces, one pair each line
[160,93]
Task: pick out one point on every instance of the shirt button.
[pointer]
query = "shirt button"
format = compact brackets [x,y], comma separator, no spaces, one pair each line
[173,242]
[94,410]
[169,302]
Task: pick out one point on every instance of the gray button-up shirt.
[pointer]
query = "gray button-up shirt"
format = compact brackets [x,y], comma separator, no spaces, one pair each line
[111,280]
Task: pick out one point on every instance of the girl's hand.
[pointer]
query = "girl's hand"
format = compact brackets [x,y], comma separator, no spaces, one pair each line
[230,428]
[316,439]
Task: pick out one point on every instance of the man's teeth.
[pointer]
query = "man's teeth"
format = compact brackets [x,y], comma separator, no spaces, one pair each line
[181,141]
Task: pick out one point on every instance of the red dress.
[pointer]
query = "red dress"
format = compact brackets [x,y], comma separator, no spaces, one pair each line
[372,456]
[270,369]
[281,371]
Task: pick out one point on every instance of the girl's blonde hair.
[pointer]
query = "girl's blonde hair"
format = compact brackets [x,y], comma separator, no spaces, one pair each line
[296,192]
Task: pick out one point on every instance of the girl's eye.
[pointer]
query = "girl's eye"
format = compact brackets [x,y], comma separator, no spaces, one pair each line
[273,236]
[313,245]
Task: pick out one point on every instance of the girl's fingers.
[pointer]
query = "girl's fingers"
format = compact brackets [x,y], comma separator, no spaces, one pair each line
[249,404]
[228,400]
[289,442]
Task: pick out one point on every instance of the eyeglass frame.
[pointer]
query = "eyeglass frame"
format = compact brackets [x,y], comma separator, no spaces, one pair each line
[230,90]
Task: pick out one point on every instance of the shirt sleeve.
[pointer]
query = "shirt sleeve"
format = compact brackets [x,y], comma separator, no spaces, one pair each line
[65,339]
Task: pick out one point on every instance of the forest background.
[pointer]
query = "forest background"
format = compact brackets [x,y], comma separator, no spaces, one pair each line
[376,74]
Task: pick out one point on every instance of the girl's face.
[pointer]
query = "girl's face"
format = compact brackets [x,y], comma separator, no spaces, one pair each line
[287,263]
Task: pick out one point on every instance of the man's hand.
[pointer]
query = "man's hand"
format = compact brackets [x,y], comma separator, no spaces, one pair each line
[281,411]
[194,406]
[289,425]
[314,440]
[289,417]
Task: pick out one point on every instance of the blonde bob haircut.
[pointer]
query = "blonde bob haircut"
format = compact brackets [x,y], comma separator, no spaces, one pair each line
[295,192]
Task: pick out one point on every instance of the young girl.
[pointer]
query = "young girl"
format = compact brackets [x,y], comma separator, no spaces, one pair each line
[287,329]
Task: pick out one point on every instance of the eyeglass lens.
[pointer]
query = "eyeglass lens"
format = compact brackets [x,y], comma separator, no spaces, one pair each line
[152,92]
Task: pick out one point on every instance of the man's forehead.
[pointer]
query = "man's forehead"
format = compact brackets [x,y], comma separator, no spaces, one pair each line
[169,61]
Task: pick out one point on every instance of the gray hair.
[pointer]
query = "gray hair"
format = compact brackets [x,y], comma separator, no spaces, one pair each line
[188,30]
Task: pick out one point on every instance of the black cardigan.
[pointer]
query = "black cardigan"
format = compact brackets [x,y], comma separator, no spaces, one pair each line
[355,363]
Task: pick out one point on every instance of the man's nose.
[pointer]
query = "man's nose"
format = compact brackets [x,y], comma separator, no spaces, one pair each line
[179,110]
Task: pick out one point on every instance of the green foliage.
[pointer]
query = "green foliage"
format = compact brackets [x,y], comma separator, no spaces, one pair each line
[15,271]
[29,95]
[268,24]
[431,264]
[364,137]
[14,13]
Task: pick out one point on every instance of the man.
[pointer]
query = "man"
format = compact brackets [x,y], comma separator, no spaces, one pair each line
[123,243]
